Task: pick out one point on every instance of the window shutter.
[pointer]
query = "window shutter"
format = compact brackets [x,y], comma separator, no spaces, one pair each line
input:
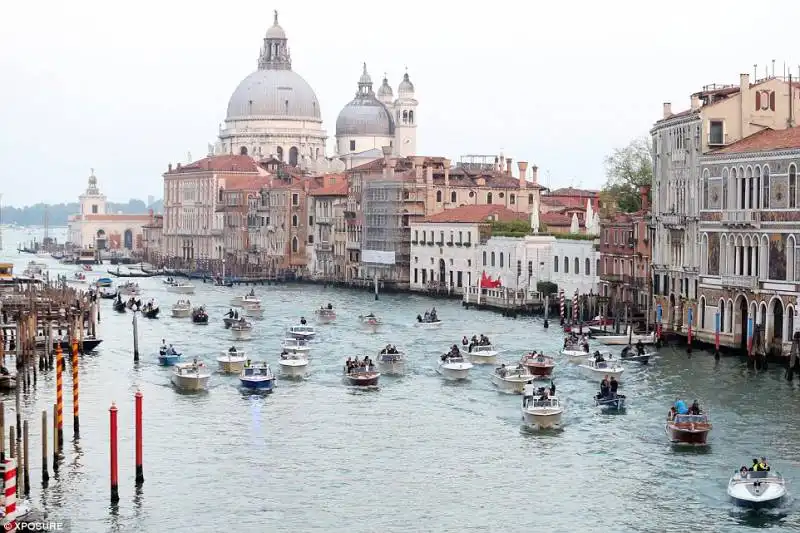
[772,101]
[758,100]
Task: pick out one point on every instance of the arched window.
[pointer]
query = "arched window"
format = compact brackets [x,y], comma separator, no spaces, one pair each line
[294,221]
[765,188]
[411,117]
[293,156]
[484,258]
[438,197]
[702,309]
[555,263]
[492,256]
[566,265]
[488,198]
[453,197]
[243,150]
[405,117]
[705,189]
[588,264]
[792,185]
[279,153]
[577,266]
[295,245]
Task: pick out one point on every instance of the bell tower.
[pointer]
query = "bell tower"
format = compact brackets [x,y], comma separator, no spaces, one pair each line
[405,109]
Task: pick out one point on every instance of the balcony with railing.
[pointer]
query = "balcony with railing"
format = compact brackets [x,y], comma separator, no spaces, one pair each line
[741,217]
[353,245]
[673,221]
[740,282]
[323,246]
[323,219]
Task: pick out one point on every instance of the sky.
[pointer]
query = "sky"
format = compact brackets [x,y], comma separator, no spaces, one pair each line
[128,90]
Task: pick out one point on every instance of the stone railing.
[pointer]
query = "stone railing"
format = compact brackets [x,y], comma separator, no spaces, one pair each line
[740,282]
[745,217]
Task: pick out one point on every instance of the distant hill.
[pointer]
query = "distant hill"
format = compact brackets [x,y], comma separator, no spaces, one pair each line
[33,215]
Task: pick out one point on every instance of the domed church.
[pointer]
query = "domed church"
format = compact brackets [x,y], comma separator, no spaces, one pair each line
[371,121]
[274,112]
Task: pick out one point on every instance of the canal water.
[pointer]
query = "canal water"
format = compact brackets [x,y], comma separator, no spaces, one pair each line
[418,454]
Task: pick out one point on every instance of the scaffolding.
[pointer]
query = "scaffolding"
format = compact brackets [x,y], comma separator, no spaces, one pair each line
[386,226]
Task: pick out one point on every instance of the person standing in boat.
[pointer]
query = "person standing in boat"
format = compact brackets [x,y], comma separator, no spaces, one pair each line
[639,347]
[163,348]
[613,385]
[695,408]
[303,320]
[229,314]
[527,393]
[465,341]
[604,387]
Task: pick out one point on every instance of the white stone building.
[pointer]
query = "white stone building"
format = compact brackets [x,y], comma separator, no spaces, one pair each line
[274,111]
[95,228]
[371,121]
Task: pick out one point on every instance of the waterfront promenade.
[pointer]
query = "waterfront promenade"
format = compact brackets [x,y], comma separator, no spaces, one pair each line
[419,454]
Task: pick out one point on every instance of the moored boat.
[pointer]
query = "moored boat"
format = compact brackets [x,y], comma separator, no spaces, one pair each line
[688,429]
[756,489]
[241,329]
[624,340]
[294,345]
[391,361]
[538,364]
[192,376]
[302,331]
[257,376]
[542,412]
[361,376]
[199,315]
[597,368]
[182,309]
[293,364]
[453,367]
[231,361]
[482,354]
[511,378]
[120,306]
[104,282]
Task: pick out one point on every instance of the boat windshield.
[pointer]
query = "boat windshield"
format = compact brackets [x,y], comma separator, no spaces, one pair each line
[455,359]
[482,348]
[691,419]
[548,402]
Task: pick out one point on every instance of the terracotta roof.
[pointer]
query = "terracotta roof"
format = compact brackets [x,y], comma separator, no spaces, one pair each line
[476,213]
[764,141]
[559,219]
[339,188]
[251,182]
[571,191]
[218,163]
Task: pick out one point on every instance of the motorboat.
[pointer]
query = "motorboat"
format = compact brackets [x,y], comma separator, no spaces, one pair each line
[241,301]
[542,412]
[129,289]
[370,322]
[151,309]
[104,282]
[454,367]
[629,338]
[596,370]
[428,324]
[257,376]
[182,309]
[231,361]
[575,354]
[688,429]
[168,356]
[361,376]
[107,293]
[511,378]
[482,354]
[391,362]
[252,310]
[611,401]
[192,376]
[241,329]
[538,364]
[325,315]
[295,345]
[629,353]
[749,488]
[180,287]
[78,277]
[199,315]
[302,331]
[293,365]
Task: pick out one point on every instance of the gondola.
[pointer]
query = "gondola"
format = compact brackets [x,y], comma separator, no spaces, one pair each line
[89,345]
[120,306]
[130,274]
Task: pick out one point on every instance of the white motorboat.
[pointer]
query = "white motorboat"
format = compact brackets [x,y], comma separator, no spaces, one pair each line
[391,363]
[370,322]
[325,315]
[180,287]
[454,367]
[232,361]
[756,489]
[253,310]
[129,289]
[628,338]
[294,365]
[597,370]
[483,354]
[543,413]
[302,331]
[182,309]
[241,301]
[428,324]
[192,376]
[78,277]
[630,353]
[293,345]
[511,379]
[575,356]
[241,329]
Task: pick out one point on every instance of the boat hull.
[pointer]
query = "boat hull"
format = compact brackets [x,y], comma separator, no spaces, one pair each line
[234,365]
[362,381]
[294,369]
[624,340]
[769,493]
[687,437]
[542,418]
[258,384]
[181,313]
[191,383]
[326,319]
[514,386]
[428,325]
[611,404]
[241,334]
[181,289]
[599,373]
[485,358]
[168,360]
[392,368]
[453,374]
[301,336]
[254,312]
[575,357]
[540,370]
[88,345]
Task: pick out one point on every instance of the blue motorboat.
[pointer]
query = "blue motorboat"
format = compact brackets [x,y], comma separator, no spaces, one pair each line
[104,282]
[257,376]
[168,356]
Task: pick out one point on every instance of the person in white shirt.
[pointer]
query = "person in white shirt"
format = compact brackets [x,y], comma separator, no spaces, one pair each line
[527,395]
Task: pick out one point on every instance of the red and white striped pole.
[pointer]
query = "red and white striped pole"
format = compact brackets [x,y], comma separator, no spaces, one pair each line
[10,479]
[561,302]
[575,307]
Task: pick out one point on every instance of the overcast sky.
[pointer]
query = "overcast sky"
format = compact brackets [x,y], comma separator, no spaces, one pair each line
[127,90]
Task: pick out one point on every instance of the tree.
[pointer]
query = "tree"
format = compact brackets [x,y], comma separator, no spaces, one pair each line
[628,169]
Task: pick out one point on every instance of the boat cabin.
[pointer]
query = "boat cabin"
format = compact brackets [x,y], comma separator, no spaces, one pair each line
[260,370]
[294,343]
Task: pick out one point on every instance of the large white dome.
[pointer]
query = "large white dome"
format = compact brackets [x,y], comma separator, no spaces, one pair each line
[274,93]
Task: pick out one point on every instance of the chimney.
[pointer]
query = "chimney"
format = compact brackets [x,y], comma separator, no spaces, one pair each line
[643,191]
[508,166]
[535,174]
[169,167]
[392,165]
[523,172]
[179,166]
[667,109]
[695,102]
[387,153]
[446,166]
[744,82]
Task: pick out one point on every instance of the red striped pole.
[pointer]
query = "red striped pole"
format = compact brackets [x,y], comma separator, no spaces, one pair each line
[60,395]
[10,488]
[139,467]
[561,301]
[76,422]
[112,411]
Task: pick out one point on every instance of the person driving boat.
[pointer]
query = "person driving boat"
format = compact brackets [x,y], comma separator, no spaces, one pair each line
[640,347]
[303,320]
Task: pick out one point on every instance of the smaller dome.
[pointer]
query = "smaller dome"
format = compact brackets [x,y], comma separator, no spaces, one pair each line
[406,87]
[365,79]
[276,32]
[385,90]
